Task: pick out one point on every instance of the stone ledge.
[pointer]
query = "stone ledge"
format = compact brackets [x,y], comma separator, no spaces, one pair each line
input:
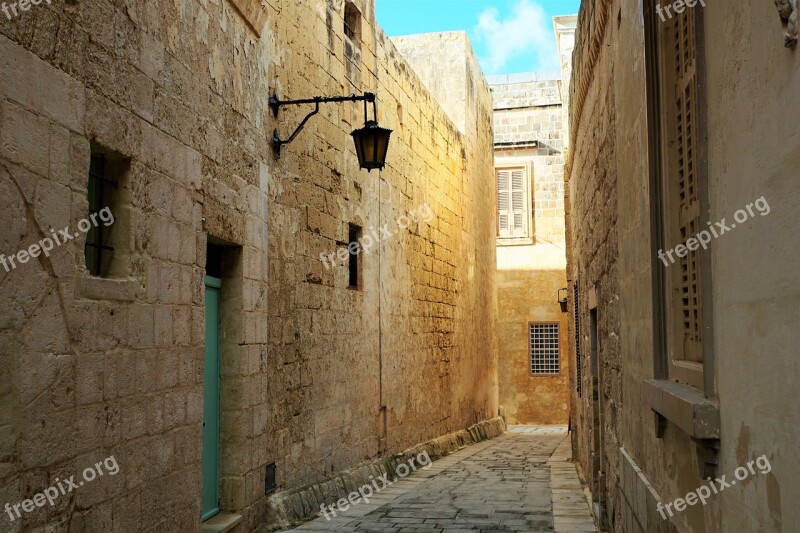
[684,406]
[221,523]
[641,499]
[120,290]
[301,504]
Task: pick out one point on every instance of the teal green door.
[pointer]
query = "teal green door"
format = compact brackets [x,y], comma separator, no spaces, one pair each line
[211,401]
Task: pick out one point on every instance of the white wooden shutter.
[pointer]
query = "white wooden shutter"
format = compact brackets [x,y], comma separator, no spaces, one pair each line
[512,204]
[518,203]
[504,203]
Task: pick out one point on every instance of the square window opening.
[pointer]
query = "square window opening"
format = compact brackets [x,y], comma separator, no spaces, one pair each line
[352,24]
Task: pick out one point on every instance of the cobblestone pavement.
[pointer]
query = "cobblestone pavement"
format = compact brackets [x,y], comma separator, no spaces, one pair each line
[520,481]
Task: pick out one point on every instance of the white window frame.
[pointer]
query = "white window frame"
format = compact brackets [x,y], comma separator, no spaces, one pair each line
[526,236]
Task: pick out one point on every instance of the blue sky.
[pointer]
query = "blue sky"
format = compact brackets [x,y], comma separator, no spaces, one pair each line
[509,36]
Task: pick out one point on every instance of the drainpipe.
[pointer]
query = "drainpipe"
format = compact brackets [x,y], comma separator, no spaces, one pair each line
[382,405]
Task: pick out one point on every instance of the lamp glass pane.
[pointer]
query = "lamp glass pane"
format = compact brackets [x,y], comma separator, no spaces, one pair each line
[383,145]
[358,139]
[369,146]
[372,143]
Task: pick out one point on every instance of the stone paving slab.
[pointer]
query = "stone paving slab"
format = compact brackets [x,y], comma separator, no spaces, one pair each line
[571,507]
[521,481]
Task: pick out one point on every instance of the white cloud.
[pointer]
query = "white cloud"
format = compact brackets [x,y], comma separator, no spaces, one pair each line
[526,31]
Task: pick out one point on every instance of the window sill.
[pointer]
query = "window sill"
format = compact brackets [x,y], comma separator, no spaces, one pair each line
[684,406]
[517,241]
[221,523]
[119,290]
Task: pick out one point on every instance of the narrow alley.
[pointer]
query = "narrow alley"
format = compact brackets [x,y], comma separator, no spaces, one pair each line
[399,266]
[520,481]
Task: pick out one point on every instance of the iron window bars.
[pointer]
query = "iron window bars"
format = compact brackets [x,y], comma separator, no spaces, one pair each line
[96,249]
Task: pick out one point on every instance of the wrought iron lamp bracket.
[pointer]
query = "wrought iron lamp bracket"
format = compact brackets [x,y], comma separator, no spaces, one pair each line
[275,105]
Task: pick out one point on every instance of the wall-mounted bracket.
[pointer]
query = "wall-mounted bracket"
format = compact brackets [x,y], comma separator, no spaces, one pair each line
[276,103]
[707,451]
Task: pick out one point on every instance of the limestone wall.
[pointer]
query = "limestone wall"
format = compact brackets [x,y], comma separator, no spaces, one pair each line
[316,377]
[756,289]
[446,65]
[593,262]
[529,135]
[611,249]
[526,94]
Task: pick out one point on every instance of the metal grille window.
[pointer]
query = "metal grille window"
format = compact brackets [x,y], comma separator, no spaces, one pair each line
[513,203]
[545,349]
[97,250]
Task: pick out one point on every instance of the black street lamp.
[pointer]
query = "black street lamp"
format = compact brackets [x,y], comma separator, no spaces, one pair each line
[372,141]
[562,300]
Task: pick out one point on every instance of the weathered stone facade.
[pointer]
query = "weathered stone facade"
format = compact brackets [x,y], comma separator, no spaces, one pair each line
[592,260]
[530,125]
[645,438]
[316,377]
[529,136]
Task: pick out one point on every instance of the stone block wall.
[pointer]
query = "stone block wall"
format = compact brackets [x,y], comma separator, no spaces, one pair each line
[528,294]
[316,377]
[524,94]
[593,253]
[465,98]
[611,249]
[529,125]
